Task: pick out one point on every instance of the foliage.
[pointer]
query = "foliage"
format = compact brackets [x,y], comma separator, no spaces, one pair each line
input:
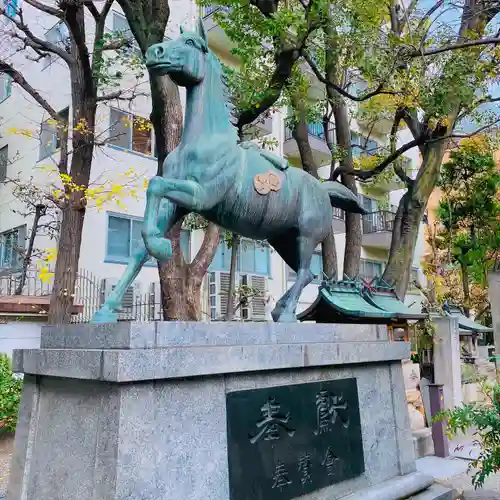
[400,66]
[10,395]
[96,65]
[485,419]
[469,215]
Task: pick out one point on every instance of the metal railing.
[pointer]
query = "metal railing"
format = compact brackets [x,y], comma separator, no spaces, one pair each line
[377,222]
[88,291]
[315,129]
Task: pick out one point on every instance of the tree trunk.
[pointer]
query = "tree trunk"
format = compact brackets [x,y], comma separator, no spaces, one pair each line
[173,279]
[235,245]
[68,256]
[300,133]
[329,254]
[409,217]
[39,212]
[73,214]
[352,253]
[465,286]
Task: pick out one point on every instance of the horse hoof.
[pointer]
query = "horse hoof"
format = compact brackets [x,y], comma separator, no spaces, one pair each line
[287,317]
[104,315]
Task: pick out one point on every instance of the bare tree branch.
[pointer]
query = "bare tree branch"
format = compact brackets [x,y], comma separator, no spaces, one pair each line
[471,134]
[34,42]
[457,46]
[120,96]
[429,13]
[368,174]
[340,90]
[46,8]
[92,9]
[19,79]
[116,44]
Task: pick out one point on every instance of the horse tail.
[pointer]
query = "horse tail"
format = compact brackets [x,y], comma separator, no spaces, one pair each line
[342,197]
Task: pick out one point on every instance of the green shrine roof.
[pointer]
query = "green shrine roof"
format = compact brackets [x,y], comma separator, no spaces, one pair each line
[464,322]
[351,302]
[383,296]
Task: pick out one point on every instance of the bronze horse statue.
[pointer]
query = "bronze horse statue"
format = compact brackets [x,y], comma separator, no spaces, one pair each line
[240,187]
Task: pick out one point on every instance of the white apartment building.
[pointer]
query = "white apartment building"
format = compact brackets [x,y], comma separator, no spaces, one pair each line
[110,234]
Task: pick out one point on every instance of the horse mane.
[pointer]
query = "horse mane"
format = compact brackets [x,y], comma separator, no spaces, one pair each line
[228,98]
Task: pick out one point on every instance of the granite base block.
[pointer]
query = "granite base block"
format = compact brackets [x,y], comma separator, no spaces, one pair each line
[103,421]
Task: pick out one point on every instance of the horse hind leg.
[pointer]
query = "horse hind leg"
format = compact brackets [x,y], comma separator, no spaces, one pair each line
[296,251]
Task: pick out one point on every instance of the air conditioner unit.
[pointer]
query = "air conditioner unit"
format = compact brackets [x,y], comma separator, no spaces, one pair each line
[127,312]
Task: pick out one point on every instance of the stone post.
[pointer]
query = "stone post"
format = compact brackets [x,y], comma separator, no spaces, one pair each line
[447,360]
[494,294]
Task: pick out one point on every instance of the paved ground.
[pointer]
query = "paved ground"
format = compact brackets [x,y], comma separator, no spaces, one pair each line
[5,454]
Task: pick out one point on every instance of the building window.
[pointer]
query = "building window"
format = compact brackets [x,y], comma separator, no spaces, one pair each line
[252,258]
[11,7]
[316,268]
[124,236]
[212,293]
[50,136]
[5,86]
[369,269]
[58,35]
[361,145]
[10,243]
[369,204]
[130,132]
[4,161]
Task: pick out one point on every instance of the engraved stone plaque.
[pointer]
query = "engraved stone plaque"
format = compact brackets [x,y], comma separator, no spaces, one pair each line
[284,442]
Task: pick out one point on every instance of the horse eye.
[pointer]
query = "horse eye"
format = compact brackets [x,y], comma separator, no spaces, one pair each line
[190,42]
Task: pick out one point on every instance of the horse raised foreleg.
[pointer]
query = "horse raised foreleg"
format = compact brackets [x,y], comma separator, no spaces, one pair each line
[169,215]
[186,193]
[107,313]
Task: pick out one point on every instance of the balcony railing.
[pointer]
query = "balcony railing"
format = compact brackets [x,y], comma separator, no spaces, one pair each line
[207,11]
[315,129]
[378,222]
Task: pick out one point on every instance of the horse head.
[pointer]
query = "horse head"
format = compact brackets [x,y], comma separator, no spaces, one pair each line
[182,59]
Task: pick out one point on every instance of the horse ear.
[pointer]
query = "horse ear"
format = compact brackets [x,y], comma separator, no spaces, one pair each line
[181,29]
[200,29]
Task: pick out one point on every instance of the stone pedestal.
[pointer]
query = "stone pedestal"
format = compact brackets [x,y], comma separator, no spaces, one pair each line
[138,411]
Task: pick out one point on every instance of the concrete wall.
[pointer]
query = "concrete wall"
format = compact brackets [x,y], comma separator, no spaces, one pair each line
[19,335]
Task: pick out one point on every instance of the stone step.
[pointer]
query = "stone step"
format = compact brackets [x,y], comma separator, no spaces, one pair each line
[434,492]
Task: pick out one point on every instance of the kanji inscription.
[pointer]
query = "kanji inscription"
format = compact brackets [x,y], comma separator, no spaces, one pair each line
[284,442]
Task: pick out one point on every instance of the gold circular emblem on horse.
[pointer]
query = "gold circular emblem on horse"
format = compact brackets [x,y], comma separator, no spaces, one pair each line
[267,182]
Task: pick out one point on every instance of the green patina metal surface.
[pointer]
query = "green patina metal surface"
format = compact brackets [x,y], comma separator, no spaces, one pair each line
[383,296]
[342,302]
[211,174]
[387,302]
[357,301]
[464,322]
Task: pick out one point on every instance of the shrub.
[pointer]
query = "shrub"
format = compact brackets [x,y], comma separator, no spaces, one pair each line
[10,395]
[485,419]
